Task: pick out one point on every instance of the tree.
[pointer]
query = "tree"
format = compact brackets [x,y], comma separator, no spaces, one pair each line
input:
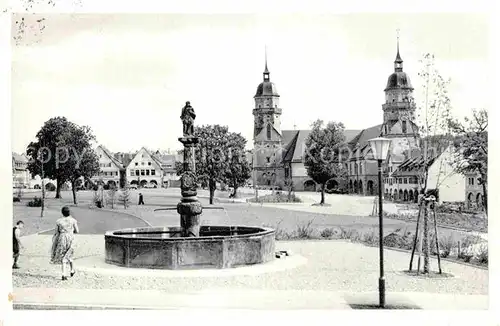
[323,149]
[433,114]
[124,198]
[239,170]
[69,153]
[212,155]
[111,196]
[471,147]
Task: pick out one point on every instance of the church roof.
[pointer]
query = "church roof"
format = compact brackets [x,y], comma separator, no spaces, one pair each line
[266,88]
[294,143]
[398,80]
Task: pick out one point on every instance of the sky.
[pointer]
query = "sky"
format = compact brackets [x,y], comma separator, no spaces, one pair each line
[127,76]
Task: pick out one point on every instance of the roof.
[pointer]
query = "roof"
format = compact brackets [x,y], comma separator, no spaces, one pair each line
[111,156]
[294,143]
[19,158]
[266,88]
[398,80]
[362,138]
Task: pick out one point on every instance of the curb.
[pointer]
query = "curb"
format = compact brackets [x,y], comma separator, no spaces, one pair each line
[43,231]
[450,260]
[62,306]
[439,226]
[126,213]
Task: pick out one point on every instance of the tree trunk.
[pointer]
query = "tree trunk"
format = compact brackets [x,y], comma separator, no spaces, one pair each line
[426,239]
[485,196]
[58,189]
[73,190]
[235,189]
[322,194]
[211,187]
[43,197]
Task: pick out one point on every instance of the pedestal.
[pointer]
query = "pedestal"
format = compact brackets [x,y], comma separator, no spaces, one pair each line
[189,208]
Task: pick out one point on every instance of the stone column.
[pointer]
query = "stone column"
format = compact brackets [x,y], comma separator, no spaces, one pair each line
[189,208]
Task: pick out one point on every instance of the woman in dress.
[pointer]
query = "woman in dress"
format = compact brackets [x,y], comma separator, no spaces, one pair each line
[63,242]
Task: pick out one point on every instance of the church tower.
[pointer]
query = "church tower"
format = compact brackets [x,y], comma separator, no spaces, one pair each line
[399,110]
[267,133]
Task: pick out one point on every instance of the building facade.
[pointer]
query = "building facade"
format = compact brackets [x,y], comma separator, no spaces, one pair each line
[145,170]
[20,175]
[110,169]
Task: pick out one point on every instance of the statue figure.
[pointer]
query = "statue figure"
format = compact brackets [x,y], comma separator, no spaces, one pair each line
[187,118]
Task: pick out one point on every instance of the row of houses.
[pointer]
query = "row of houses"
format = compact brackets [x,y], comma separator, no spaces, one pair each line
[143,168]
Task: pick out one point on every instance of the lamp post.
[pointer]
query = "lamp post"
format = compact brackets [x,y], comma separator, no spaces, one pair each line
[380,148]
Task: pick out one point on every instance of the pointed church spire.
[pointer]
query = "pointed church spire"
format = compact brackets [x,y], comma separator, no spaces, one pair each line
[266,71]
[398,63]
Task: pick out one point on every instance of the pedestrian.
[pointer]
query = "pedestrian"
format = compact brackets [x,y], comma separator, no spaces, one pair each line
[63,242]
[16,242]
[141,199]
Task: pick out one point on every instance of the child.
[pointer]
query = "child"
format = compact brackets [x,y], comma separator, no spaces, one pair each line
[16,242]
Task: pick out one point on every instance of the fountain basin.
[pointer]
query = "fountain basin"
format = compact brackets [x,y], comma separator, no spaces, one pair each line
[164,248]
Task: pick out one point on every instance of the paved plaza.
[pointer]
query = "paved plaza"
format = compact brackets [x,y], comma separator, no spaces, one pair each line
[318,274]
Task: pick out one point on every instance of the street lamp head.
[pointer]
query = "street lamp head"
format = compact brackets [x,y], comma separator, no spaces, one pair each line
[380,147]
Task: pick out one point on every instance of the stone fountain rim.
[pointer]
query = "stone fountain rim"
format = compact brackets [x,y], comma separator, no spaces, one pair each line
[263,231]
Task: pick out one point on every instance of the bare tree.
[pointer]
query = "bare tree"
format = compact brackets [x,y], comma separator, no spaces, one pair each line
[433,115]
[111,196]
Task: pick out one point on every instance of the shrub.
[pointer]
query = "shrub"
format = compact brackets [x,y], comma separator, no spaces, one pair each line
[305,231]
[446,245]
[50,187]
[327,233]
[349,234]
[482,256]
[370,238]
[124,198]
[35,202]
[277,198]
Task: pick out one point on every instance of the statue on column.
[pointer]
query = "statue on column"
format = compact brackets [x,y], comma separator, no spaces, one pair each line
[187,118]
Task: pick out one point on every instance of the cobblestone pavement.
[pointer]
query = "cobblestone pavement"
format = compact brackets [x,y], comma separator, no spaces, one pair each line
[330,266]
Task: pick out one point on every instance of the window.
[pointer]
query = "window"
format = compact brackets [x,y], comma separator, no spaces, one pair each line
[405,180]
[404,127]
[142,172]
[105,173]
[360,168]
[116,173]
[268,131]
[132,173]
[471,181]
[268,159]
[147,172]
[136,164]
[153,172]
[400,180]
[149,163]
[287,172]
[109,165]
[137,172]
[142,163]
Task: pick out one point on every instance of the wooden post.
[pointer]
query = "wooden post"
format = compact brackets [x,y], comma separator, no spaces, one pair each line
[416,236]
[437,239]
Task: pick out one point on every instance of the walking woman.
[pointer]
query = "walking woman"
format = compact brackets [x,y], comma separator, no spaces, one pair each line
[63,242]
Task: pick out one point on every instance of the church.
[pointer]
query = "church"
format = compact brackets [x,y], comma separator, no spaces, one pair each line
[278,155]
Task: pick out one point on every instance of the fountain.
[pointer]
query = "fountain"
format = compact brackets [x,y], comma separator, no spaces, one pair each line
[190,245]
